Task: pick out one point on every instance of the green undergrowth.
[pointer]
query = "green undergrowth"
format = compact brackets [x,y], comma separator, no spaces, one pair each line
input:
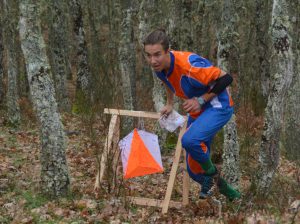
[170,144]
[81,106]
[34,200]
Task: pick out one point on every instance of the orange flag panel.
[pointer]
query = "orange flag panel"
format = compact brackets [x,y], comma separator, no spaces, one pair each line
[140,161]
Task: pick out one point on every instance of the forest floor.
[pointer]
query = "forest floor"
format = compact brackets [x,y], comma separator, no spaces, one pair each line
[21,202]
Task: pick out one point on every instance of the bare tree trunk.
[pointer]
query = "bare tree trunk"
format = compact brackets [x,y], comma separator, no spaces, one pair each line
[127,64]
[58,47]
[226,36]
[149,18]
[291,130]
[83,71]
[174,24]
[185,19]
[211,18]
[282,69]
[150,15]
[54,170]
[199,22]
[12,96]
[23,85]
[114,12]
[262,24]
[1,55]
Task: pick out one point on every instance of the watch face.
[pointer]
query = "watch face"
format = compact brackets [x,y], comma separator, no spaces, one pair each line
[201,101]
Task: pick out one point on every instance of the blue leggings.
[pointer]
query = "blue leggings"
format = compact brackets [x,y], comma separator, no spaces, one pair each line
[198,137]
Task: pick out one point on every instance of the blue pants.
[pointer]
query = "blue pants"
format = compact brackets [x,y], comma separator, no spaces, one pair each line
[199,135]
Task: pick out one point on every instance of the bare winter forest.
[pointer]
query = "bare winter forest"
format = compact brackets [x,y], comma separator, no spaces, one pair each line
[63,62]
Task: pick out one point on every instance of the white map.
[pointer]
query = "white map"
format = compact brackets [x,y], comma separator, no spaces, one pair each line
[172,121]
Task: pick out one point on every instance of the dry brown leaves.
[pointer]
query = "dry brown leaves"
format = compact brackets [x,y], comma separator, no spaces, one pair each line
[19,172]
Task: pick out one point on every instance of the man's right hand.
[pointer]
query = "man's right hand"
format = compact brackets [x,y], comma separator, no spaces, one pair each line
[166,110]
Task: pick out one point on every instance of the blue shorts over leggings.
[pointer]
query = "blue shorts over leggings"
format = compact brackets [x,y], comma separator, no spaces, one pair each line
[199,135]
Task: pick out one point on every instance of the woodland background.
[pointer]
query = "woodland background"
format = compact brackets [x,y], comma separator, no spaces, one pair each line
[63,62]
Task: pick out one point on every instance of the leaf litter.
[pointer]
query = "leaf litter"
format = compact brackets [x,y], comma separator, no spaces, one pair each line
[20,170]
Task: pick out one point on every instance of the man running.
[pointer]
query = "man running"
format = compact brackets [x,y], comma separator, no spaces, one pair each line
[206,99]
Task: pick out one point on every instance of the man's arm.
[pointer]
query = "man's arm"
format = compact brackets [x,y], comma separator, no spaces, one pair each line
[222,82]
[167,109]
[170,96]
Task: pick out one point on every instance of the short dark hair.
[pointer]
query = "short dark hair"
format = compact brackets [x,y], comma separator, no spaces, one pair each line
[157,36]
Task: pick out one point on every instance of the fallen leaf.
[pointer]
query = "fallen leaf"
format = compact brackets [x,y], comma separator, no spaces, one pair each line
[81,204]
[91,204]
[295,206]
[59,212]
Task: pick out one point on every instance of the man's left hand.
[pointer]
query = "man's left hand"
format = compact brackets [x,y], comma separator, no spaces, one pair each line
[191,105]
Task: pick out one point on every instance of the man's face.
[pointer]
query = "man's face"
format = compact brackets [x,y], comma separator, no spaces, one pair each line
[157,57]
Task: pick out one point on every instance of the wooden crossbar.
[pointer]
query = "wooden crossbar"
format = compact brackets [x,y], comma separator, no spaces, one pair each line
[154,202]
[113,137]
[132,113]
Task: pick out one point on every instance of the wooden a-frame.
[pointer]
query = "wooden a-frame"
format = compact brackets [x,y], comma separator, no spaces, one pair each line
[113,138]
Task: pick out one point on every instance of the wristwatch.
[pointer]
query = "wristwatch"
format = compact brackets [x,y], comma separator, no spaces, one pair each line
[201,101]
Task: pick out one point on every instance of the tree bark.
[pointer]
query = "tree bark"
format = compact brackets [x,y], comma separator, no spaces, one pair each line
[211,20]
[111,52]
[1,55]
[54,170]
[282,70]
[83,72]
[262,21]
[226,36]
[12,95]
[197,25]
[291,124]
[150,15]
[58,47]
[185,8]
[149,18]
[127,64]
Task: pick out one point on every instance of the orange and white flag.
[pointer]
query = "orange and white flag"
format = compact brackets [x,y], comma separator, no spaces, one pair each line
[140,154]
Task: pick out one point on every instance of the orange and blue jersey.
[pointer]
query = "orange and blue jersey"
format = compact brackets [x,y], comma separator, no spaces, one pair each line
[191,75]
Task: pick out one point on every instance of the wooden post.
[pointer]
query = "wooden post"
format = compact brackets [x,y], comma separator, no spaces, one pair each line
[185,184]
[112,134]
[178,150]
[116,153]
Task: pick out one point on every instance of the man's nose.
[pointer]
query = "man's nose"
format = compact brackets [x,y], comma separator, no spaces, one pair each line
[152,60]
